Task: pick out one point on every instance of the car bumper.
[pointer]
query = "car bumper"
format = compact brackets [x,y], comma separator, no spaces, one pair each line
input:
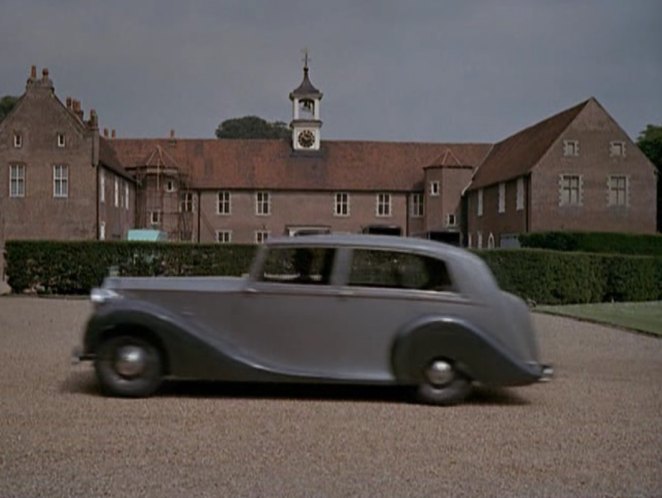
[78,355]
[546,373]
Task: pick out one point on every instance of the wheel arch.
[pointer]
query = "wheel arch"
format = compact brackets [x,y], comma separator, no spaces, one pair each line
[433,337]
[473,352]
[137,328]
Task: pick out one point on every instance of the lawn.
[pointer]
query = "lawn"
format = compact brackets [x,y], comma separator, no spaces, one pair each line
[644,317]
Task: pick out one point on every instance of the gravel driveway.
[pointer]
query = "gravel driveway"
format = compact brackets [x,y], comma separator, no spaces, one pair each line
[596,430]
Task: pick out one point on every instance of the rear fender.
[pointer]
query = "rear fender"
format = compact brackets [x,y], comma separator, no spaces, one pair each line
[473,352]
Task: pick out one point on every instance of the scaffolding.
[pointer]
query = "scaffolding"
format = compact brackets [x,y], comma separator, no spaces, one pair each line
[164,199]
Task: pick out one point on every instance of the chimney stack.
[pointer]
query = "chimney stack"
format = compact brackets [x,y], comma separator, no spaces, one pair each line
[105,132]
[112,135]
[172,133]
[69,103]
[44,74]
[94,120]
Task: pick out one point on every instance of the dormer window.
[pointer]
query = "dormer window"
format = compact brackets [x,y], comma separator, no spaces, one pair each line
[61,140]
[571,148]
[18,140]
[170,186]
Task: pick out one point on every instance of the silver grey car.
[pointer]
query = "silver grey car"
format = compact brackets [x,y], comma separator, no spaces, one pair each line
[359,309]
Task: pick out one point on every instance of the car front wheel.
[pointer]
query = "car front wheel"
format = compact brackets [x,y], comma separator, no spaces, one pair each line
[128,366]
[442,384]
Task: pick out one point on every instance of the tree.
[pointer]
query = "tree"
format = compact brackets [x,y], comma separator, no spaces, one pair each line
[6,105]
[650,143]
[252,127]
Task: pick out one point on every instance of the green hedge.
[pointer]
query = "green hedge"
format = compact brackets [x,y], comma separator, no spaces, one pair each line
[553,277]
[546,277]
[598,242]
[50,267]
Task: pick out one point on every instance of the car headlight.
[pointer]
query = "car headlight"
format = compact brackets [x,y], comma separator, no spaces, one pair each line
[100,296]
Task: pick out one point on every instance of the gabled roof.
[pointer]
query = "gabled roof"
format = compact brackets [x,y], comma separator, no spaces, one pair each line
[271,164]
[108,158]
[518,154]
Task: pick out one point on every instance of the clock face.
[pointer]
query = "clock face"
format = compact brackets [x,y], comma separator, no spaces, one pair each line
[306,139]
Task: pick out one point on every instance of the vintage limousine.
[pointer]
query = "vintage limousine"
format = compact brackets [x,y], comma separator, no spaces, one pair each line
[360,309]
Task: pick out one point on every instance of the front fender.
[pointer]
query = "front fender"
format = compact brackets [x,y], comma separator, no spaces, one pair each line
[474,353]
[191,352]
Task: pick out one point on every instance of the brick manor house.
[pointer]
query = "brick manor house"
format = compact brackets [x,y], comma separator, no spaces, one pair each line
[61,178]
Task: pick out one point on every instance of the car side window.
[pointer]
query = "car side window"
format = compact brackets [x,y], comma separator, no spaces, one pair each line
[398,270]
[298,265]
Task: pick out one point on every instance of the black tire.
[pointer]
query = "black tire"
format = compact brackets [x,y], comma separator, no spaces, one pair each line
[453,389]
[128,366]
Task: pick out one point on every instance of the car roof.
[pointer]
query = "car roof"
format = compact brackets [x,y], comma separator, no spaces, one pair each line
[391,242]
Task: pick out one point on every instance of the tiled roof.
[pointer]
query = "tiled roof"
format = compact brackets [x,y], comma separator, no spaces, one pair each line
[271,164]
[108,157]
[517,154]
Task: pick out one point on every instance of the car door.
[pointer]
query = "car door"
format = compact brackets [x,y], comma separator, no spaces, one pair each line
[291,317]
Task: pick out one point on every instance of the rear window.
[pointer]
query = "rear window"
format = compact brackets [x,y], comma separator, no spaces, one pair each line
[398,270]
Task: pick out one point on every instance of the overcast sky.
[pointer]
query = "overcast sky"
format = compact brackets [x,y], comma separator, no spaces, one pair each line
[428,70]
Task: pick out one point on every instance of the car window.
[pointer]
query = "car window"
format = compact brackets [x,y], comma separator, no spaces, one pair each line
[299,265]
[399,270]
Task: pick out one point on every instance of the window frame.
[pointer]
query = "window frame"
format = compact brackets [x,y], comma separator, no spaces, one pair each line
[479,202]
[571,148]
[263,203]
[417,205]
[102,187]
[383,207]
[17,180]
[261,236]
[127,192]
[155,217]
[61,140]
[435,188]
[617,148]
[223,236]
[60,181]
[451,220]
[566,185]
[501,206]
[186,202]
[18,140]
[617,190]
[519,202]
[225,204]
[341,205]
[102,230]
[117,192]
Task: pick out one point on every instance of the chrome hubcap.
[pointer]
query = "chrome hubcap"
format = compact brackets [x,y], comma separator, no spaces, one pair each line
[439,373]
[130,361]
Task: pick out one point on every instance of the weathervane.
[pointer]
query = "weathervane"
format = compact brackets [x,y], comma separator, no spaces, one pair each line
[306,58]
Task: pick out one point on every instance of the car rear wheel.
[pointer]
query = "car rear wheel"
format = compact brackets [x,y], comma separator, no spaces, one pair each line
[442,384]
[128,366]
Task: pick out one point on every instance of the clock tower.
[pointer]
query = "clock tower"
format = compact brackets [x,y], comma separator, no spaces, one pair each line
[306,121]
